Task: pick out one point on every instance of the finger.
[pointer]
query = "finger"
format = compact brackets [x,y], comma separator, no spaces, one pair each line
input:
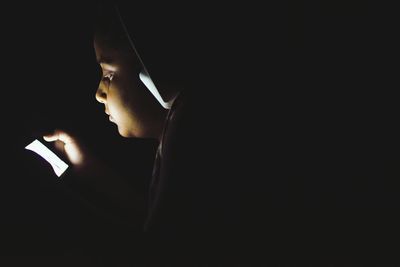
[64,137]
[58,135]
[50,137]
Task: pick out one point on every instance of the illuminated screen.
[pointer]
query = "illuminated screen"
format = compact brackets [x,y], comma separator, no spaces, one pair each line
[58,165]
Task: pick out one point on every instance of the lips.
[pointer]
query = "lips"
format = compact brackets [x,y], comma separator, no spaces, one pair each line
[109,116]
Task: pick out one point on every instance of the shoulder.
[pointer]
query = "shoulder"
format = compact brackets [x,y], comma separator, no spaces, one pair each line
[183,116]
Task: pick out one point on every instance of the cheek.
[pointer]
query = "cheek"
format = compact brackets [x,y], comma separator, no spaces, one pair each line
[126,97]
[117,107]
[120,108]
[128,104]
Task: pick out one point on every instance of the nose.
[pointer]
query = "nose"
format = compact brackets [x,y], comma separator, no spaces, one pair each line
[101,95]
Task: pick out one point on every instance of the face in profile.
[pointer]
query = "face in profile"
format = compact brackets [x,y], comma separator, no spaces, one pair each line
[127,101]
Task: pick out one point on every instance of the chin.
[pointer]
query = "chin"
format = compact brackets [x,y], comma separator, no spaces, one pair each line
[125,133]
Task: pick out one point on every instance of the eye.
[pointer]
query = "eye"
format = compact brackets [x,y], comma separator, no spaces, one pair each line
[109,76]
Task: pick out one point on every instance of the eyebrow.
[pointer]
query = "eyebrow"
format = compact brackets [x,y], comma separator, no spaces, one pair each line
[104,60]
[107,66]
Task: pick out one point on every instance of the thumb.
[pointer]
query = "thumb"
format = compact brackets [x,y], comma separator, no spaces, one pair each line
[58,135]
[50,137]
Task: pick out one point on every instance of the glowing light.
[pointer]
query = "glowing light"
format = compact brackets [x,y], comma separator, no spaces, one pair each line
[58,165]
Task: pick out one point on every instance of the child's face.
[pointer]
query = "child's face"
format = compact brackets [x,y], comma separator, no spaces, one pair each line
[127,101]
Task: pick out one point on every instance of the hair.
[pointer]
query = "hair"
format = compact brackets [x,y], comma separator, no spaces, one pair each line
[167,37]
[108,29]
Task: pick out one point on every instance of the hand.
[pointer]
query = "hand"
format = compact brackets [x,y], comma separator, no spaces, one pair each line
[103,179]
[70,146]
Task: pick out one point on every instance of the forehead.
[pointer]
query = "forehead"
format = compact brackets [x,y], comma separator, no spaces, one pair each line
[113,60]
[104,55]
[109,50]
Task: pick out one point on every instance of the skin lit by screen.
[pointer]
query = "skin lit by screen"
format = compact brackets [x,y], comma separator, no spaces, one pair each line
[58,165]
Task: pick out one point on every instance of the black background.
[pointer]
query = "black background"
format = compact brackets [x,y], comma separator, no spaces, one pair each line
[53,77]
[315,82]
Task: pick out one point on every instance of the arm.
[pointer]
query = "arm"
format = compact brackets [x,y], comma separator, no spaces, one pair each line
[98,184]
